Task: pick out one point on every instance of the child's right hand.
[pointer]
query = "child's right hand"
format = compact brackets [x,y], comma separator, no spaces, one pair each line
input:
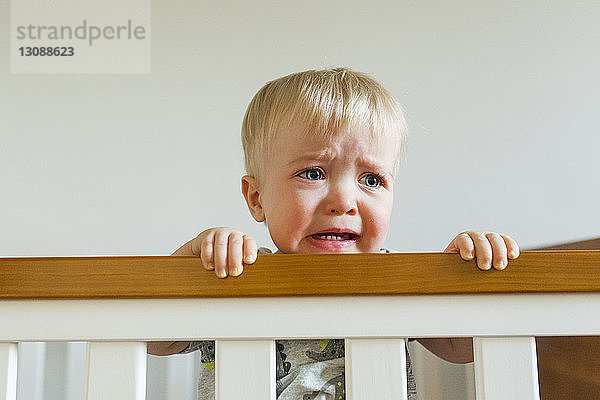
[224,250]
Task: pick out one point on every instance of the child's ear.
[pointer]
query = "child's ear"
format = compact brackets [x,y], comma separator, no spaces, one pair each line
[251,193]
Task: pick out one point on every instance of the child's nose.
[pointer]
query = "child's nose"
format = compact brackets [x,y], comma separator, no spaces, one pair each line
[340,204]
[343,210]
[341,195]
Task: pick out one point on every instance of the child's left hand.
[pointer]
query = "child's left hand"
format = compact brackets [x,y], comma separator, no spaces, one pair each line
[490,248]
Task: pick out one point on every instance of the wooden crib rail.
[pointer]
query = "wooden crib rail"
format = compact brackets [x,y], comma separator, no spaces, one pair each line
[295,275]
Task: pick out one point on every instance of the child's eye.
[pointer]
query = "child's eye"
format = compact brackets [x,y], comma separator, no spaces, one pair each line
[371,180]
[312,174]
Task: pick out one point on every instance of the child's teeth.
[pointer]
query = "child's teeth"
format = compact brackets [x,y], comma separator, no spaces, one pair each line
[338,237]
[333,237]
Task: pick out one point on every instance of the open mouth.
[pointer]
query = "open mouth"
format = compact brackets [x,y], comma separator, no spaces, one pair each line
[336,236]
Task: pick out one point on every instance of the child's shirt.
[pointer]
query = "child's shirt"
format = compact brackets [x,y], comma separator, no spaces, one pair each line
[310,369]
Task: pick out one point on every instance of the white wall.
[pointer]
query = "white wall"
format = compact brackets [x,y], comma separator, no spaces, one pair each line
[501,98]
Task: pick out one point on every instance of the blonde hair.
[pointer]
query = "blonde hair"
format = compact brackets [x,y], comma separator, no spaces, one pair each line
[321,102]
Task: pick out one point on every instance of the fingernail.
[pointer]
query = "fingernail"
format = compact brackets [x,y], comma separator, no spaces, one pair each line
[250,259]
[222,274]
[236,271]
[485,266]
[501,265]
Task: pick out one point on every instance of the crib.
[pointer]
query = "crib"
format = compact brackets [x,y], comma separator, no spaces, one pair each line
[116,304]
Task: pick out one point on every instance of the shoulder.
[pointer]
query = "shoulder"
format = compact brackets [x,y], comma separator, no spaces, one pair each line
[264,250]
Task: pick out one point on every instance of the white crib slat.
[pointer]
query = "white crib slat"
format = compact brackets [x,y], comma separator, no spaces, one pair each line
[506,368]
[116,371]
[245,369]
[76,354]
[31,370]
[8,371]
[376,369]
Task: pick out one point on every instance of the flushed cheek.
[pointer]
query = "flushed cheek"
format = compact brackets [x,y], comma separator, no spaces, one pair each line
[303,207]
[289,222]
[375,237]
[381,228]
[376,227]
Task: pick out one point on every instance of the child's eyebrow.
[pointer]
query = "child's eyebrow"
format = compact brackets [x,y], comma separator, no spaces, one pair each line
[323,155]
[373,164]
[326,155]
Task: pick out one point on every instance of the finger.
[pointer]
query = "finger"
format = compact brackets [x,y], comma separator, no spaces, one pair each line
[483,250]
[234,253]
[196,244]
[250,249]
[498,250]
[511,246]
[465,246]
[220,253]
[206,253]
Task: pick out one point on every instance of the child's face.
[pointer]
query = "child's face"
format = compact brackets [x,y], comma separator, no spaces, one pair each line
[327,196]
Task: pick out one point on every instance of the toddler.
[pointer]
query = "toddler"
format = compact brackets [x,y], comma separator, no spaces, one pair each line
[322,150]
